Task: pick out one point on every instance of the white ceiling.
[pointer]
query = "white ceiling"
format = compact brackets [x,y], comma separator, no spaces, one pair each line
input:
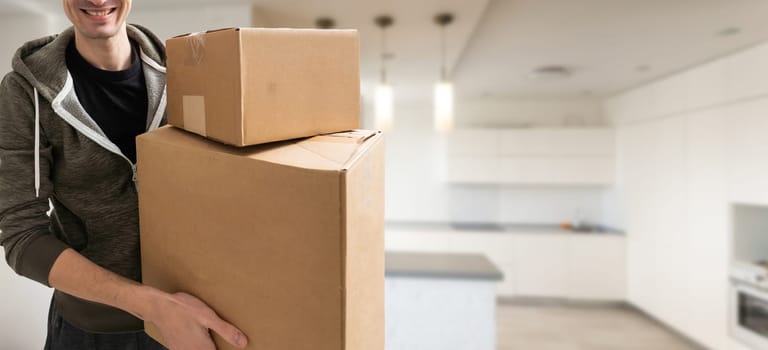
[604,41]
[413,40]
[495,44]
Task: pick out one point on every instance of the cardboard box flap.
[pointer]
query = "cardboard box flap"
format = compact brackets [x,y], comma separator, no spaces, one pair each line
[341,148]
[334,152]
[205,32]
[358,136]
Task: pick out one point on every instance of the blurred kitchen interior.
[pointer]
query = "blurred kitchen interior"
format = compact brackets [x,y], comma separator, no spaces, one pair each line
[607,165]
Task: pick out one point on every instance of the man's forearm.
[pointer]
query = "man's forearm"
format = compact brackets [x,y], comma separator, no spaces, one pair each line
[75,275]
[183,319]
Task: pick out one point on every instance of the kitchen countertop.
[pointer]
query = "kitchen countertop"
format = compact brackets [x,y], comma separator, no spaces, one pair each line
[495,227]
[438,265]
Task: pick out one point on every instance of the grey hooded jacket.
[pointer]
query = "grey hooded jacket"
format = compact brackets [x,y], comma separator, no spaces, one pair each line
[51,149]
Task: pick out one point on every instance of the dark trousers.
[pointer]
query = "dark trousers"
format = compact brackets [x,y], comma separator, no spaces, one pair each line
[64,336]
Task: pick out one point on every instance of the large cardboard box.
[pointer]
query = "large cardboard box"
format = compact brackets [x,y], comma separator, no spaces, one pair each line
[284,240]
[246,86]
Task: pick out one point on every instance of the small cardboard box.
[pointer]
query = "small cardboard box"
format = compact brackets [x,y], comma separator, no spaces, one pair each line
[246,86]
[284,240]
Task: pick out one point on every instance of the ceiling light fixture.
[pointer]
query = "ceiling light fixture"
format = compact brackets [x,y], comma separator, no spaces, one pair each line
[384,103]
[325,23]
[550,73]
[443,88]
[729,31]
[642,68]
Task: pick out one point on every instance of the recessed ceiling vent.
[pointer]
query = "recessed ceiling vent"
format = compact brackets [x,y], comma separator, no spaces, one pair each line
[550,72]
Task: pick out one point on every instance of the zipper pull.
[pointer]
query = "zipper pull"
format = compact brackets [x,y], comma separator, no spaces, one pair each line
[135,174]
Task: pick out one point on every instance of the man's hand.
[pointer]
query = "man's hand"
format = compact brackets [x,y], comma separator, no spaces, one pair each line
[184,322]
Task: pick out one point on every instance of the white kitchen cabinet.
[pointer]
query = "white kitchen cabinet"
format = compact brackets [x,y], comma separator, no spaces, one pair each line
[555,264]
[531,156]
[596,268]
[472,142]
[746,150]
[571,266]
[556,142]
[477,169]
[689,146]
[582,170]
[541,265]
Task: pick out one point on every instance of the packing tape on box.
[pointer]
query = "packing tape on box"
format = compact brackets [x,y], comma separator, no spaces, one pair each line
[196,43]
[193,108]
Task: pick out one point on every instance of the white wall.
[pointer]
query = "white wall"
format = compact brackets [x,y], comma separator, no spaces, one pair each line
[18,29]
[416,188]
[524,112]
[171,21]
[23,311]
[688,147]
[23,303]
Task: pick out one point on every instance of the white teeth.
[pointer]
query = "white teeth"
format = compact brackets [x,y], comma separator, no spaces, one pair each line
[98,13]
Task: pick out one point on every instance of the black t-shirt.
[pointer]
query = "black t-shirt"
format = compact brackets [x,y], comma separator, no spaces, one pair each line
[116,100]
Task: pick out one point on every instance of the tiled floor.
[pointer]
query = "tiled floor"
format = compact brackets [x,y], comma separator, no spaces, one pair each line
[523,326]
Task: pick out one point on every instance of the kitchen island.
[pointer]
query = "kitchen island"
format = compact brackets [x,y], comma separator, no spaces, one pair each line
[440,301]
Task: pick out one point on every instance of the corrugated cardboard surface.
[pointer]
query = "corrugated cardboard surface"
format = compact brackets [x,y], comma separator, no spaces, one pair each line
[205,68]
[284,240]
[261,85]
[364,188]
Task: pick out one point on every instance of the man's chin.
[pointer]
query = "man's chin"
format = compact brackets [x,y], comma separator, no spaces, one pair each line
[103,33]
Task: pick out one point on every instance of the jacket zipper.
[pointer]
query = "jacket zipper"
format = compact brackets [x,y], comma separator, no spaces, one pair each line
[96,137]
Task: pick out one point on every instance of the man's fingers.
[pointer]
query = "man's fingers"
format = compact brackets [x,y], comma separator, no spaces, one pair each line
[229,332]
[210,320]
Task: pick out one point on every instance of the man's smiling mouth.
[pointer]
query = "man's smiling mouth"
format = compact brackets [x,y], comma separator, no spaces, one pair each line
[99,13]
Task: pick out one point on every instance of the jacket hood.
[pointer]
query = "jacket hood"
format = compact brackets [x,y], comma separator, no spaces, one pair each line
[42,62]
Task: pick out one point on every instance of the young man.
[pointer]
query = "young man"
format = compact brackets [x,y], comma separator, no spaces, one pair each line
[69,113]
